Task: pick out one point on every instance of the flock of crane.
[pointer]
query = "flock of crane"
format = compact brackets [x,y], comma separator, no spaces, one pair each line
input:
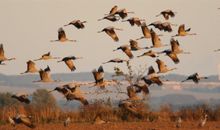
[71,91]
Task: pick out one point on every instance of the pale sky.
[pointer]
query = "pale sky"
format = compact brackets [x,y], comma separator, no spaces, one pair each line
[27,26]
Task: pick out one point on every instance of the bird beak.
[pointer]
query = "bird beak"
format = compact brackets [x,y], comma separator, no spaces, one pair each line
[57,57]
[51,91]
[131,12]
[66,25]
[158,15]
[72,40]
[175,35]
[36,59]
[160,52]
[79,57]
[99,31]
[120,29]
[140,38]
[100,19]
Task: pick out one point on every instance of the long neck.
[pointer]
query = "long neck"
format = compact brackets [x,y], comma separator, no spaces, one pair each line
[37,81]
[54,40]
[55,57]
[172,69]
[203,77]
[176,35]
[140,38]
[192,34]
[158,15]
[185,52]
[10,59]
[67,25]
[130,12]
[101,19]
[71,40]
[38,59]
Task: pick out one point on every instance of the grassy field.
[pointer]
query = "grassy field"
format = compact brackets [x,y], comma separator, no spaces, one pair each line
[211,125]
[46,115]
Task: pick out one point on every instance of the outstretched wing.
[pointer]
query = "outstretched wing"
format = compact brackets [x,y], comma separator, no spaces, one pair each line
[155,39]
[181,28]
[26,121]
[137,21]
[79,24]
[132,92]
[161,65]
[1,50]
[47,54]
[98,75]
[101,70]
[70,64]
[112,34]
[151,70]
[129,106]
[145,30]
[174,45]
[156,80]
[113,10]
[134,45]
[122,13]
[171,13]
[45,76]
[61,34]
[128,52]
[174,57]
[47,69]
[31,66]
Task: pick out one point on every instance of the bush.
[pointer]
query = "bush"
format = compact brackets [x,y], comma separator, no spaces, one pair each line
[196,112]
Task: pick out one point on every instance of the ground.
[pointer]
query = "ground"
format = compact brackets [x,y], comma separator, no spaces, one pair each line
[120,126]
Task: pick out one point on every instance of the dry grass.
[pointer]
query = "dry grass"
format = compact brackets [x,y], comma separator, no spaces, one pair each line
[159,125]
[83,119]
[49,116]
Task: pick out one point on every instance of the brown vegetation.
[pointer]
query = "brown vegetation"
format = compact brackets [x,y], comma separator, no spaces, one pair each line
[44,111]
[119,126]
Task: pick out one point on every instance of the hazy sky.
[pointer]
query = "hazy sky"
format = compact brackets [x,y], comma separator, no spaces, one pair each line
[27,26]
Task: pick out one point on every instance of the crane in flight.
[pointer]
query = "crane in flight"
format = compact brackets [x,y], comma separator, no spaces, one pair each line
[62,37]
[3,57]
